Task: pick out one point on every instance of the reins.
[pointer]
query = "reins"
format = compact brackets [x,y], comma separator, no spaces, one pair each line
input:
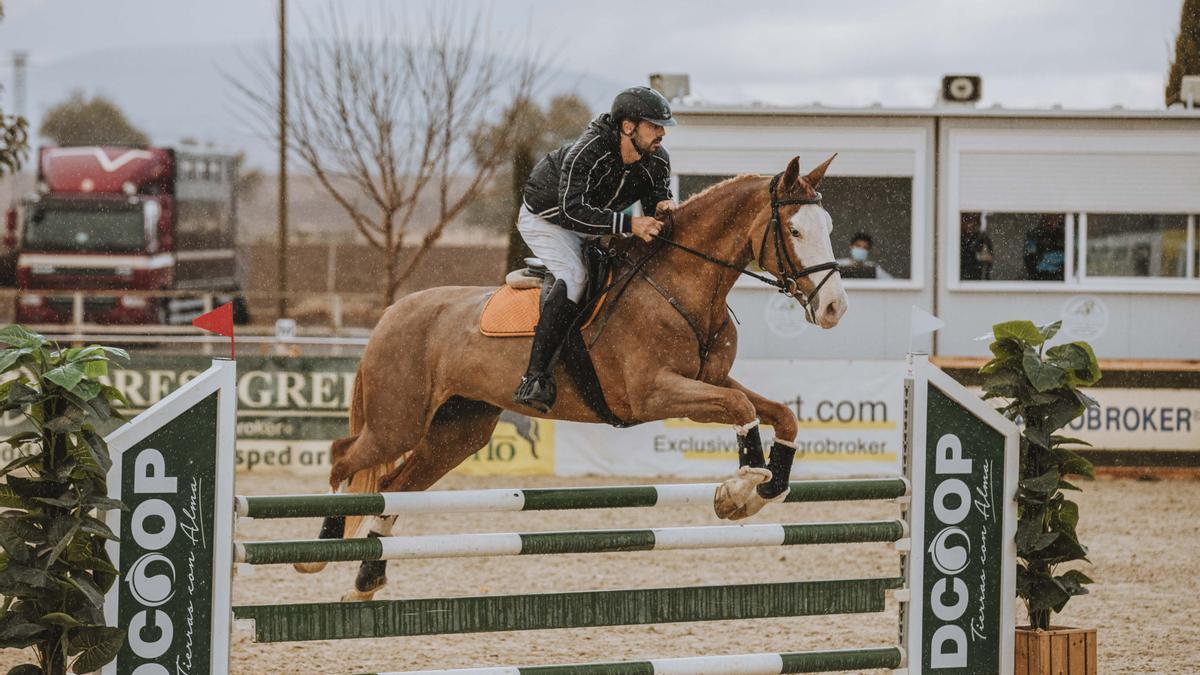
[788,282]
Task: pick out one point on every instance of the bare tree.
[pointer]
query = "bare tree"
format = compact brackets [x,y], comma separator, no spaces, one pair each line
[14,135]
[537,131]
[390,112]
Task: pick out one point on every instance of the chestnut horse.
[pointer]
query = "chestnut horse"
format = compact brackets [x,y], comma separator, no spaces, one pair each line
[431,387]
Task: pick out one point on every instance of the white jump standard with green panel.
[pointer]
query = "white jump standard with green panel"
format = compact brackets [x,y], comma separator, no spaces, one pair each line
[956,543]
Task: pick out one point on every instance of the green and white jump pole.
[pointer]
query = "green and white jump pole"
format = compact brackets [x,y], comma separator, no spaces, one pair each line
[548,499]
[173,466]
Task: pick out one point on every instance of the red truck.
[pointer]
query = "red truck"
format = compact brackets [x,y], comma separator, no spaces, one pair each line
[111,219]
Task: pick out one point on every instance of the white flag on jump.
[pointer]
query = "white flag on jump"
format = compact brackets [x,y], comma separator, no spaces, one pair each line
[923,322]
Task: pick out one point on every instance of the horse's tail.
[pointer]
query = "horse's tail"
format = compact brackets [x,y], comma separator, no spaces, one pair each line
[356,403]
[366,480]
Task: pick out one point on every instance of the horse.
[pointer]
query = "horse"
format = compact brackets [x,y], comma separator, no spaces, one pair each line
[431,387]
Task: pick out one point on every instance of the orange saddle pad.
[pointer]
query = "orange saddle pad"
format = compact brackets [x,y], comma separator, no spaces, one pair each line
[514,313]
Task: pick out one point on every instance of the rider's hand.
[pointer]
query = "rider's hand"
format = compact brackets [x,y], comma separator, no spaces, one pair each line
[645,227]
[664,207]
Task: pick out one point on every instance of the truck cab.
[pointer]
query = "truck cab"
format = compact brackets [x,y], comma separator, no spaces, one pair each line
[110,220]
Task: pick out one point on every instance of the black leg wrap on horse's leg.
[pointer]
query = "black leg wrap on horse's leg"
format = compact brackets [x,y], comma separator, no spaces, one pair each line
[750,451]
[333,527]
[781,470]
[372,574]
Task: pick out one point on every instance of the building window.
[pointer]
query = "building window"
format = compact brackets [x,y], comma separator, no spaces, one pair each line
[1135,245]
[877,206]
[1012,246]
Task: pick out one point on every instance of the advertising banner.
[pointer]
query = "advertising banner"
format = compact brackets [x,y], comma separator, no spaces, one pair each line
[1138,419]
[849,414]
[289,409]
[1141,419]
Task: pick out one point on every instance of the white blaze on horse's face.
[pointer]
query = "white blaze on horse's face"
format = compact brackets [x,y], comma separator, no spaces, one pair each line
[812,247]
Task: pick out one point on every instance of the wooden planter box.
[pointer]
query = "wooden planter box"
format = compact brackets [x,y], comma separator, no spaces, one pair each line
[1058,651]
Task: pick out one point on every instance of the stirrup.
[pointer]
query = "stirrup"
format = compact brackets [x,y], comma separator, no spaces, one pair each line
[537,391]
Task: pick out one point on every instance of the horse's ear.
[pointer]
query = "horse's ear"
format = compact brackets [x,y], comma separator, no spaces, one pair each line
[814,177]
[792,173]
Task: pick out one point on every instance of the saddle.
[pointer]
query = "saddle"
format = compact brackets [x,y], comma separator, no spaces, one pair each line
[514,308]
[513,311]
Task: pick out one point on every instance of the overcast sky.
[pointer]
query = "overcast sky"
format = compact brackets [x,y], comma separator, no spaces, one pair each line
[1031,53]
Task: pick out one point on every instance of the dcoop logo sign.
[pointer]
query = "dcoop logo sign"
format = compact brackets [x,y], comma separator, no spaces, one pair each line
[964,533]
[166,557]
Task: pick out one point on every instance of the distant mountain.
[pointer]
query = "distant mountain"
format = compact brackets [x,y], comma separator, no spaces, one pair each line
[184,92]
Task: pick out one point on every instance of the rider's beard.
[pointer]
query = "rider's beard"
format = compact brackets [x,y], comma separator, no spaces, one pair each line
[648,149]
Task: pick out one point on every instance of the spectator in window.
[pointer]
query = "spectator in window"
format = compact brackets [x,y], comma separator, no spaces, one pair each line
[859,265]
[976,252]
[1044,244]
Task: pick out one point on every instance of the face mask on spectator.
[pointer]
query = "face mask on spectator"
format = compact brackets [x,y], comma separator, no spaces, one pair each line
[859,254]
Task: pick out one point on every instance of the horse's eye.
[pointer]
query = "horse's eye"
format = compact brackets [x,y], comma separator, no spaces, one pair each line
[795,232]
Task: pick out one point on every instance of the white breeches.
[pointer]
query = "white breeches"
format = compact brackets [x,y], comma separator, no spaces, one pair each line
[560,249]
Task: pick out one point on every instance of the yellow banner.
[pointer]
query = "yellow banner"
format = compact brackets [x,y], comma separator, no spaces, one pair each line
[520,446]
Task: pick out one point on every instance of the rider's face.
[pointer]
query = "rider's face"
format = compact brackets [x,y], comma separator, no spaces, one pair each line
[646,136]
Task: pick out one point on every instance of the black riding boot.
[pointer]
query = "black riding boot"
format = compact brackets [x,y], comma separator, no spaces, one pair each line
[537,389]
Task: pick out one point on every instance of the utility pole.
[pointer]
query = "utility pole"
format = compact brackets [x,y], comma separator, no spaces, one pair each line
[20,59]
[283,150]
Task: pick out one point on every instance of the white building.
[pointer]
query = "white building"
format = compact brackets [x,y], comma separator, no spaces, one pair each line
[1091,217]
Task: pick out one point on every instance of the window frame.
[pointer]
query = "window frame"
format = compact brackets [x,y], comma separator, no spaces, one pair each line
[1035,141]
[1188,280]
[753,148]
[1075,277]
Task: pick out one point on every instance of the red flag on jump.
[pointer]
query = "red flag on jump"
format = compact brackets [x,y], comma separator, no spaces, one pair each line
[219,321]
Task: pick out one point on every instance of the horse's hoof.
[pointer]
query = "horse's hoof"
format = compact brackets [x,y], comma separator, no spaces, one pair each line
[309,567]
[372,576]
[757,502]
[362,596]
[370,579]
[732,497]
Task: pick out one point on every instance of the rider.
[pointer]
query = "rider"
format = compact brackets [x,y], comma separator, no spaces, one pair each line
[580,192]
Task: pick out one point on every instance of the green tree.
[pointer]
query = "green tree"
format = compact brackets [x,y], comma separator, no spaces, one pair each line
[1039,389]
[98,121]
[1187,50]
[14,136]
[538,130]
[54,568]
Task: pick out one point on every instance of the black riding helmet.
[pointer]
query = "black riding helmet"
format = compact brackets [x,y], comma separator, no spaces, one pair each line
[642,103]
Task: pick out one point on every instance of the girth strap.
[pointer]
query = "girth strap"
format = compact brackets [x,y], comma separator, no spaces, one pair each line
[703,342]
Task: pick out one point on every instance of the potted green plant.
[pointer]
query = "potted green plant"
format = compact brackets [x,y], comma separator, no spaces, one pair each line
[1039,389]
[54,569]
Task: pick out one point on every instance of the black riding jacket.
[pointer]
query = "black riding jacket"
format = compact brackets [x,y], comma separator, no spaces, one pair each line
[585,187]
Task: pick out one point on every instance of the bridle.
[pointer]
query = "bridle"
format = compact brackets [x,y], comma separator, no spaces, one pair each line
[786,281]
